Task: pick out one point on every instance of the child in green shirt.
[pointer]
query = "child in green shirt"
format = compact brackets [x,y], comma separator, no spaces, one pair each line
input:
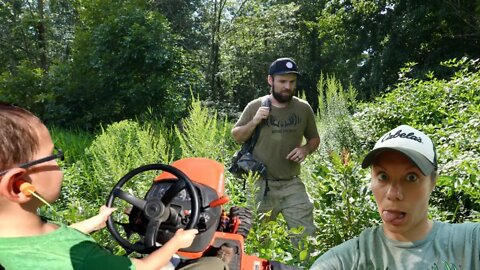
[27,154]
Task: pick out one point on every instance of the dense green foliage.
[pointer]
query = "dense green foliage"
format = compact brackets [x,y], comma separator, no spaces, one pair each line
[258,35]
[123,59]
[86,63]
[124,62]
[367,42]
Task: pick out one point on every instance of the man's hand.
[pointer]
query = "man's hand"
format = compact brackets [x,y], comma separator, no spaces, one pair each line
[244,132]
[262,113]
[298,154]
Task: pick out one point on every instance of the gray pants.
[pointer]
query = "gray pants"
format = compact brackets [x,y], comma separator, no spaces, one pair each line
[290,198]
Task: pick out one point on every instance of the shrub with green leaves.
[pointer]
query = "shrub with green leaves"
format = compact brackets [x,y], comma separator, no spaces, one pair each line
[124,59]
[202,134]
[27,84]
[343,203]
[335,121]
[124,146]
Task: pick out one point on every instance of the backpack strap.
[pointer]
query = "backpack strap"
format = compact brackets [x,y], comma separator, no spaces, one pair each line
[249,145]
[253,139]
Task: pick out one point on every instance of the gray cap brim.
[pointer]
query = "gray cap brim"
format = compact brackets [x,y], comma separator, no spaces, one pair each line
[425,166]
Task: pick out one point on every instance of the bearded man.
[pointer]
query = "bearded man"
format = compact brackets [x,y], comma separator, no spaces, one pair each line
[281,146]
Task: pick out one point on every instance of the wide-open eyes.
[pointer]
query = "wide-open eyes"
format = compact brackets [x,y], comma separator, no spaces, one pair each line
[411,177]
[382,176]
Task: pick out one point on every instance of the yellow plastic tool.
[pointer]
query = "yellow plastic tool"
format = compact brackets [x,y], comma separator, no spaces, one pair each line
[28,189]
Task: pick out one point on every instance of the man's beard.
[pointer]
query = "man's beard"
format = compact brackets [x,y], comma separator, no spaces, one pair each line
[282,98]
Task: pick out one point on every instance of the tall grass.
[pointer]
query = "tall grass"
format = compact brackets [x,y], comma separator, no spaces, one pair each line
[73,142]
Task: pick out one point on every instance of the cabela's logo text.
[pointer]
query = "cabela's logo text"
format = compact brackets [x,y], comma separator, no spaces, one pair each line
[399,133]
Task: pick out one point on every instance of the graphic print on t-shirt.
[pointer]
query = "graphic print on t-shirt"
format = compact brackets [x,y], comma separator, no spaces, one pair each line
[286,125]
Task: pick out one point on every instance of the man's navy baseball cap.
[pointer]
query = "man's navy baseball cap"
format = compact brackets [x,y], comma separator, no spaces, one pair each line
[283,66]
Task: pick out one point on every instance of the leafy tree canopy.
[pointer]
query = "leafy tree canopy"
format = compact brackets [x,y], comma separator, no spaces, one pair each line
[125,60]
[367,42]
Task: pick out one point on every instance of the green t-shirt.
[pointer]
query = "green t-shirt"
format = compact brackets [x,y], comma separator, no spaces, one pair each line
[62,249]
[447,246]
[284,130]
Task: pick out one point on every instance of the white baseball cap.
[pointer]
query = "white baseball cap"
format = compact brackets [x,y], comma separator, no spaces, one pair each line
[413,143]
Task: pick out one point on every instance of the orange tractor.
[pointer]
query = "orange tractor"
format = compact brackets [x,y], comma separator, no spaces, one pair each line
[187,194]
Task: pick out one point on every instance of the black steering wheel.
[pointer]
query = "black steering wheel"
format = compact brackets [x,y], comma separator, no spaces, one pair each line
[155,210]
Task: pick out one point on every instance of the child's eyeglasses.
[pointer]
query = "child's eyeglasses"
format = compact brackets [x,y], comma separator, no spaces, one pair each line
[57,155]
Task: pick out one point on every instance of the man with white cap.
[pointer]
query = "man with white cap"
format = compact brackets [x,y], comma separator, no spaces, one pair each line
[403,166]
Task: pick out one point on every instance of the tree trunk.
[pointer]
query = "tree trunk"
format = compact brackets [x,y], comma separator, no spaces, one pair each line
[41,36]
[214,61]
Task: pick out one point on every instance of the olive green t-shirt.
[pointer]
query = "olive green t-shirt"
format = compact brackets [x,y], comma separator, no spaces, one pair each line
[446,247]
[282,131]
[63,249]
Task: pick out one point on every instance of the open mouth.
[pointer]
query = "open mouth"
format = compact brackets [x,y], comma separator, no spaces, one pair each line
[393,216]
